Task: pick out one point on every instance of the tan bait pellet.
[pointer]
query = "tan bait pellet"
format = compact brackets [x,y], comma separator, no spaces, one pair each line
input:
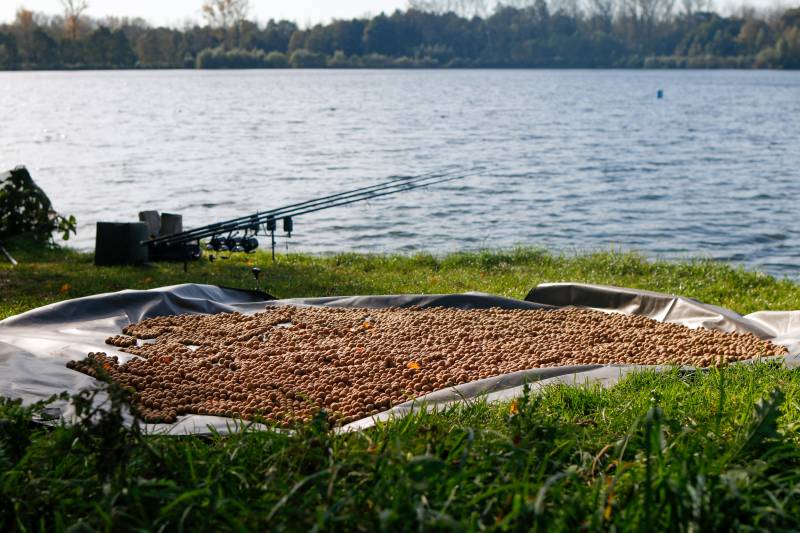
[285,364]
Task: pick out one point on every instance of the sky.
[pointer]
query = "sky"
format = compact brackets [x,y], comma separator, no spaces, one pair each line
[304,12]
[175,12]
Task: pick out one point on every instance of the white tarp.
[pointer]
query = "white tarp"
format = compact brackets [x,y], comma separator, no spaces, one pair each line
[35,346]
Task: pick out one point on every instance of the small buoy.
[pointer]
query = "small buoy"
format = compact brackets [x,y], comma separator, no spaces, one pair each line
[660,94]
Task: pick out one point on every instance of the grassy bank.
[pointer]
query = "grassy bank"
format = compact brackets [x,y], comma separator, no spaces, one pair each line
[714,450]
[46,276]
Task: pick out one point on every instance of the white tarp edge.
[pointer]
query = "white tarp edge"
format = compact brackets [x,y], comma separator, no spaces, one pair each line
[35,346]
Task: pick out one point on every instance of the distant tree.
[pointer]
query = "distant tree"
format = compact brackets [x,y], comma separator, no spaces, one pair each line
[602,12]
[44,51]
[247,31]
[98,48]
[277,59]
[217,14]
[464,8]
[787,45]
[24,25]
[305,59]
[132,27]
[196,39]
[227,15]
[753,35]
[518,33]
[380,36]
[9,53]
[236,58]
[717,36]
[107,49]
[568,8]
[690,7]
[338,60]
[319,39]
[73,9]
[541,14]
[24,19]
[161,48]
[348,36]
[274,36]
[297,41]
[654,11]
[71,53]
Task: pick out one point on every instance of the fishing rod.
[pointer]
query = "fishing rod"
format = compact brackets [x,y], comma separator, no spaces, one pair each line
[250,221]
[312,209]
[321,199]
[287,216]
[8,255]
[225,235]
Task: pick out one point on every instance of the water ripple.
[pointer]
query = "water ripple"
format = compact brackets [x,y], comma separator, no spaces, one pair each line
[575,160]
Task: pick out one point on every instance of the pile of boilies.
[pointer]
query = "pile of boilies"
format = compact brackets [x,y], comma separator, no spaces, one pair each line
[287,363]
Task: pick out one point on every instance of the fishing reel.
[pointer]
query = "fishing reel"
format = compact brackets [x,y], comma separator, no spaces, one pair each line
[241,232]
[232,244]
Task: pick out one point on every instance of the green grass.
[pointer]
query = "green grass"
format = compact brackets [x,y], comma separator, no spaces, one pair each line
[705,451]
[46,276]
[715,450]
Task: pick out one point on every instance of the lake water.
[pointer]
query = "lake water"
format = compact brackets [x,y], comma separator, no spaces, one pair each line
[574,160]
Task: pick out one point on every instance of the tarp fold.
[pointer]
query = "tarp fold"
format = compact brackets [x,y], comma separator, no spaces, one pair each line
[35,346]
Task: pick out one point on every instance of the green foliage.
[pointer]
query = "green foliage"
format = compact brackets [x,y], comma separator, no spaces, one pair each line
[26,210]
[380,36]
[167,48]
[107,49]
[708,450]
[648,454]
[338,60]
[303,58]
[46,276]
[214,58]
[272,37]
[44,50]
[276,60]
[9,53]
[539,35]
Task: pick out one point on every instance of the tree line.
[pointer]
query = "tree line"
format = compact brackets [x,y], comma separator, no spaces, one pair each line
[429,33]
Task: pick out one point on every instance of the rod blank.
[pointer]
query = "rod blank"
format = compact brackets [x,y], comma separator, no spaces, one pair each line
[8,256]
[253,222]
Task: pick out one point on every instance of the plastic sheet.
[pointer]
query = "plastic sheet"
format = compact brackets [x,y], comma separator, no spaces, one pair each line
[35,346]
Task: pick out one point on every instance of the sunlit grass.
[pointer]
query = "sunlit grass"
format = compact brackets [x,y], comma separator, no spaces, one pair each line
[714,450]
[703,451]
[46,277]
